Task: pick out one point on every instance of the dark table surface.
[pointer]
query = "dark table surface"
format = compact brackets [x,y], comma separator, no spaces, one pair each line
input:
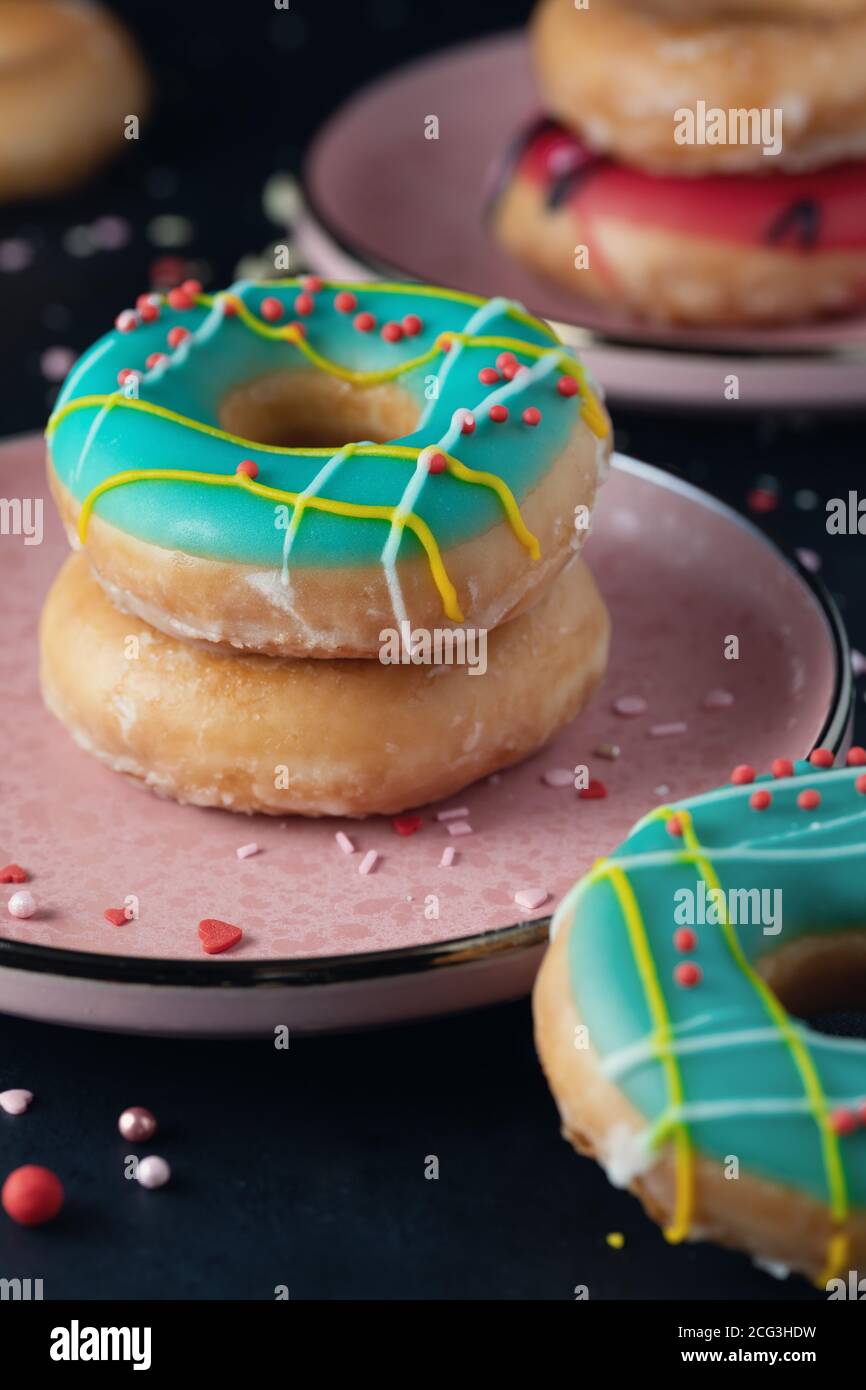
[305,1168]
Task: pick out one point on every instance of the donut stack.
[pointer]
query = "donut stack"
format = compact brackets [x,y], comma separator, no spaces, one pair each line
[701,161]
[263,619]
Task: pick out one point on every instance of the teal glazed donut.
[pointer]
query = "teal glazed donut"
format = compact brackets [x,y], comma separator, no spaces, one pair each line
[198,453]
[663,1023]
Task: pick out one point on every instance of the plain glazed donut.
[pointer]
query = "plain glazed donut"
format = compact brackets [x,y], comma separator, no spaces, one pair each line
[69,76]
[725,249]
[479,437]
[315,738]
[618,75]
[662,1015]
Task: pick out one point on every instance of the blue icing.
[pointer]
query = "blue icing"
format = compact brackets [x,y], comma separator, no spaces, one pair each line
[91,444]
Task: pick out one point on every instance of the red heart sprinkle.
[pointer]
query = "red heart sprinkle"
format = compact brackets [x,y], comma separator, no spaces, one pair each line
[13,873]
[217,936]
[594,792]
[116,916]
[406,825]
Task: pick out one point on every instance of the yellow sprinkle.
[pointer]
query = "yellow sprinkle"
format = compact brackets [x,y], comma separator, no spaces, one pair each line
[615,1239]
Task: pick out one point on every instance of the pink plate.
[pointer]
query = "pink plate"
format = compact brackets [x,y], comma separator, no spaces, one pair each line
[324,947]
[383,198]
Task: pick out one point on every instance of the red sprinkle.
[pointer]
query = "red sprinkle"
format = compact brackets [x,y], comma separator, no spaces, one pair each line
[437,463]
[467,425]
[13,873]
[312,284]
[674,826]
[406,825]
[304,304]
[782,767]
[860,784]
[594,791]
[444,343]
[230,308]
[760,800]
[499,413]
[685,939]
[511,370]
[821,757]
[688,974]
[412,325]
[192,287]
[124,374]
[392,332]
[176,336]
[506,359]
[298,328]
[32,1195]
[271,308]
[149,312]
[742,775]
[567,386]
[345,302]
[762,500]
[116,916]
[488,375]
[179,298]
[809,800]
[532,415]
[153,359]
[217,936]
[126,321]
[856,756]
[843,1121]
[249,467]
[365,322]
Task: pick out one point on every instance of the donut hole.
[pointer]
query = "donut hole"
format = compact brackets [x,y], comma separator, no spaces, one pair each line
[819,975]
[310,410]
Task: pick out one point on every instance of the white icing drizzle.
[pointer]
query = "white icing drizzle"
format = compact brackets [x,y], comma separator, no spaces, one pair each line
[626,1059]
[311,490]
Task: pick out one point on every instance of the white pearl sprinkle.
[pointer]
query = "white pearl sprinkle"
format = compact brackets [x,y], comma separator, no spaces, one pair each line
[153,1171]
[22,904]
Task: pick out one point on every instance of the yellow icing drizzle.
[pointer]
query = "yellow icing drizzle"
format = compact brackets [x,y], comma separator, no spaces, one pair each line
[416,524]
[684,1159]
[836,1183]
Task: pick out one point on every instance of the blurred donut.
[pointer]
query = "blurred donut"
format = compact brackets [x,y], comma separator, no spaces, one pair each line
[732,249]
[619,76]
[69,77]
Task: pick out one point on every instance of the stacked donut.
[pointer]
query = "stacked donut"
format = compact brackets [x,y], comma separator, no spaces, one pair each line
[264,617]
[704,161]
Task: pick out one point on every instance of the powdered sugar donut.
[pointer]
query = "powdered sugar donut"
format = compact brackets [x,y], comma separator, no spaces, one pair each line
[315,738]
[717,249]
[69,78]
[666,1015]
[706,94]
[198,454]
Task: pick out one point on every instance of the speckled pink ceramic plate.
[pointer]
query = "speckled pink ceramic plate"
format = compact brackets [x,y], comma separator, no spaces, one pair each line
[383,198]
[323,946]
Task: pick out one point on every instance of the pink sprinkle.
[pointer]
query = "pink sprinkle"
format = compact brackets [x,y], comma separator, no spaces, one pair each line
[15,1102]
[246,851]
[15,255]
[459,827]
[449,854]
[344,842]
[531,898]
[809,559]
[55,362]
[558,777]
[455,813]
[668,730]
[369,862]
[630,706]
[717,699]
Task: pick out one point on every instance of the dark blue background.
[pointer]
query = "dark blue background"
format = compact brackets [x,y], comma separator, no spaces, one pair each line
[306,1167]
